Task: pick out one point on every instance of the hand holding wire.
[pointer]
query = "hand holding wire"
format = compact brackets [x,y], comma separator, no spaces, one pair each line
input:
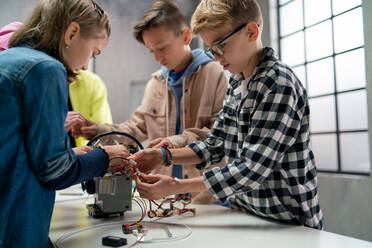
[146,160]
[89,130]
[154,187]
[156,143]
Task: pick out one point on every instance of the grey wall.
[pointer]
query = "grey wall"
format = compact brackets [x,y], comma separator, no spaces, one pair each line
[270,27]
[346,201]
[125,65]
[11,11]
[124,60]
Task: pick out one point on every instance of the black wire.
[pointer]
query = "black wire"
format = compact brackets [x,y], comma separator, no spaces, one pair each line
[116,133]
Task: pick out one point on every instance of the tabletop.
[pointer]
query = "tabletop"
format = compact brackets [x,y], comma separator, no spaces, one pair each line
[212,226]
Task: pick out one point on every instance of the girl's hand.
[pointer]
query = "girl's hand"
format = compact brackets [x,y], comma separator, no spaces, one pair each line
[116,151]
[81,150]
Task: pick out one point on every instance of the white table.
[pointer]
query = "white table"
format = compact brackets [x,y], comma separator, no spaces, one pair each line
[213,226]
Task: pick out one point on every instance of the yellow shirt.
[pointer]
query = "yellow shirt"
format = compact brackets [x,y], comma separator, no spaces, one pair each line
[88,95]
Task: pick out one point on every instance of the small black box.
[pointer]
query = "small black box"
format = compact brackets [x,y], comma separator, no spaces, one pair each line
[113,241]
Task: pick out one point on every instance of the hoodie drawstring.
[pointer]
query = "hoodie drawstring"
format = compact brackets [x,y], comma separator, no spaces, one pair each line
[166,105]
[183,105]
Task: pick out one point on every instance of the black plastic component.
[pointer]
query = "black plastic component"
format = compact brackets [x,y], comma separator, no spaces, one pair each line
[89,186]
[133,149]
[95,212]
[113,241]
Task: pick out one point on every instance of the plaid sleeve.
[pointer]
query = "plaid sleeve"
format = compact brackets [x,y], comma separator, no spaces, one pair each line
[211,150]
[272,127]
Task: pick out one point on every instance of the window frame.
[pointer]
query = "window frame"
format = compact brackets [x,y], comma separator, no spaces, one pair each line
[335,93]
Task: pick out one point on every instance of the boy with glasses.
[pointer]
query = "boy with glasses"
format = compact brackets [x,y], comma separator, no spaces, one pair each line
[262,130]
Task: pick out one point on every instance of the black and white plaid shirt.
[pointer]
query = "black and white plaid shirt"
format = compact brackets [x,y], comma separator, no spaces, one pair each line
[270,168]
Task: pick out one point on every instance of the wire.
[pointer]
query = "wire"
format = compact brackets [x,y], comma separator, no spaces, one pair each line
[163,212]
[59,242]
[129,160]
[116,133]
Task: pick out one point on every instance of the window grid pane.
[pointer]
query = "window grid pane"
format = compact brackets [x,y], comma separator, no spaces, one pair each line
[340,6]
[323,116]
[352,110]
[348,30]
[325,150]
[319,41]
[292,49]
[351,79]
[314,14]
[325,44]
[355,152]
[281,2]
[320,77]
[291,17]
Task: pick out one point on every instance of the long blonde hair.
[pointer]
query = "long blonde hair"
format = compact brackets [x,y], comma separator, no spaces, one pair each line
[45,28]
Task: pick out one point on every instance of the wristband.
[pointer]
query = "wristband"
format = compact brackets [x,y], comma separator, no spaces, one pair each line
[164,156]
[168,161]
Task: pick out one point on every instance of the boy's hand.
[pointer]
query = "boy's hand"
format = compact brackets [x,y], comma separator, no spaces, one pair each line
[159,142]
[154,187]
[88,131]
[82,150]
[74,118]
[147,159]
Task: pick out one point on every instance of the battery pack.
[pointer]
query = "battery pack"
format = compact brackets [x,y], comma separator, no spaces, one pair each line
[113,241]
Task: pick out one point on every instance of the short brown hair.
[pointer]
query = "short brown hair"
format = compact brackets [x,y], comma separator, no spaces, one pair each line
[45,28]
[161,12]
[214,14]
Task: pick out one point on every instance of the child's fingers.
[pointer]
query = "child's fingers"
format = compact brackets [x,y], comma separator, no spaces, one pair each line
[154,143]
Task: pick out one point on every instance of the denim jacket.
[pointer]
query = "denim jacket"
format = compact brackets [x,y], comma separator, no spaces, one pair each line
[35,155]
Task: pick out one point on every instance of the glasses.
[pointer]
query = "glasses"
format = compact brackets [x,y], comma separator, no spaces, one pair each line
[97,9]
[217,49]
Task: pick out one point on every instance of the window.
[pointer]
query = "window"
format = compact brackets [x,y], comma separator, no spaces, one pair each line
[323,42]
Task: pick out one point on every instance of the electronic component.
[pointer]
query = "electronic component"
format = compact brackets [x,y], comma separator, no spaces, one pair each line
[162,211]
[113,192]
[113,241]
[95,144]
[127,229]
